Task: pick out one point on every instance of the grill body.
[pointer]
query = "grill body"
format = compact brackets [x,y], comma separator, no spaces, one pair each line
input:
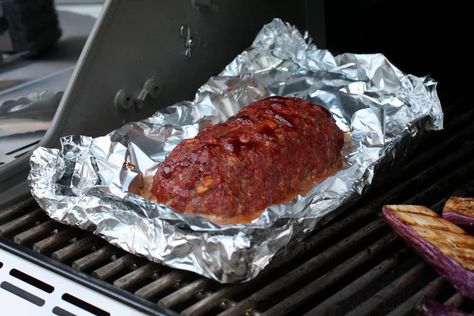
[353,265]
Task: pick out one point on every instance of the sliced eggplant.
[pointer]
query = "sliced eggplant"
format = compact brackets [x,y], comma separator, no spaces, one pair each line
[431,308]
[460,211]
[447,247]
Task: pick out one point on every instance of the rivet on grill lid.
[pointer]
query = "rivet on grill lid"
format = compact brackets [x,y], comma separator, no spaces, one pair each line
[124,100]
[152,88]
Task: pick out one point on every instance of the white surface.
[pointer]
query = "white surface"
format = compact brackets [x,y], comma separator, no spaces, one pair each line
[11,304]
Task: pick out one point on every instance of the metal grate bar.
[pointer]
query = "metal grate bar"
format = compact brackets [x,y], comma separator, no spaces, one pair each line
[323,237]
[184,293]
[115,267]
[94,258]
[19,208]
[371,305]
[419,161]
[332,277]
[36,232]
[20,222]
[431,173]
[331,305]
[438,189]
[429,290]
[455,301]
[161,284]
[54,241]
[218,298]
[308,268]
[74,249]
[137,276]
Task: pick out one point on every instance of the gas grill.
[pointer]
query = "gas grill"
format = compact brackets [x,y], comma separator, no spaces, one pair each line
[355,265]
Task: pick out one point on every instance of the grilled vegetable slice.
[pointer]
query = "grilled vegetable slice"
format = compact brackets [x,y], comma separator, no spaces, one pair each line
[460,211]
[431,308]
[447,247]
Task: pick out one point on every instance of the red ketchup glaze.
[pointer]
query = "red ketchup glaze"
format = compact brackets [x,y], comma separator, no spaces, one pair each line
[266,154]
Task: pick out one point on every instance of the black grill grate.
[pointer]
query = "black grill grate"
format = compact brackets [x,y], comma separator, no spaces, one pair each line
[355,265]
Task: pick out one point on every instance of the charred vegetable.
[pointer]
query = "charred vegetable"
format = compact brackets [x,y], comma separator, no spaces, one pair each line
[444,245]
[460,211]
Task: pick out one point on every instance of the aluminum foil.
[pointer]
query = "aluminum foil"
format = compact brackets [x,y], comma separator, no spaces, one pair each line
[86,182]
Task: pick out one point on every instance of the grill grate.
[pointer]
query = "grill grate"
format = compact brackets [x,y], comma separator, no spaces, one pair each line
[355,265]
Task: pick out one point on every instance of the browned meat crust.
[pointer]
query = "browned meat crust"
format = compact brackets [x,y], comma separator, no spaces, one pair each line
[266,154]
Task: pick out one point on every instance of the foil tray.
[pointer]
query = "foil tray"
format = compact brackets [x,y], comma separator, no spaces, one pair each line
[86,182]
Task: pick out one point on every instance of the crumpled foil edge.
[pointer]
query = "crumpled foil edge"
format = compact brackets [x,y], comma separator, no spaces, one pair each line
[85,183]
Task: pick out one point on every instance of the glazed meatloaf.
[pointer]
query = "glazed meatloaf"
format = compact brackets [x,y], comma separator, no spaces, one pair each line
[266,154]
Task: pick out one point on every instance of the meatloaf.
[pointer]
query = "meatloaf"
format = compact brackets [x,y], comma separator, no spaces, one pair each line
[266,154]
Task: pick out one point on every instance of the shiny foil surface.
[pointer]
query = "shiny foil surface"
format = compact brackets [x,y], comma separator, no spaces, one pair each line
[86,182]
